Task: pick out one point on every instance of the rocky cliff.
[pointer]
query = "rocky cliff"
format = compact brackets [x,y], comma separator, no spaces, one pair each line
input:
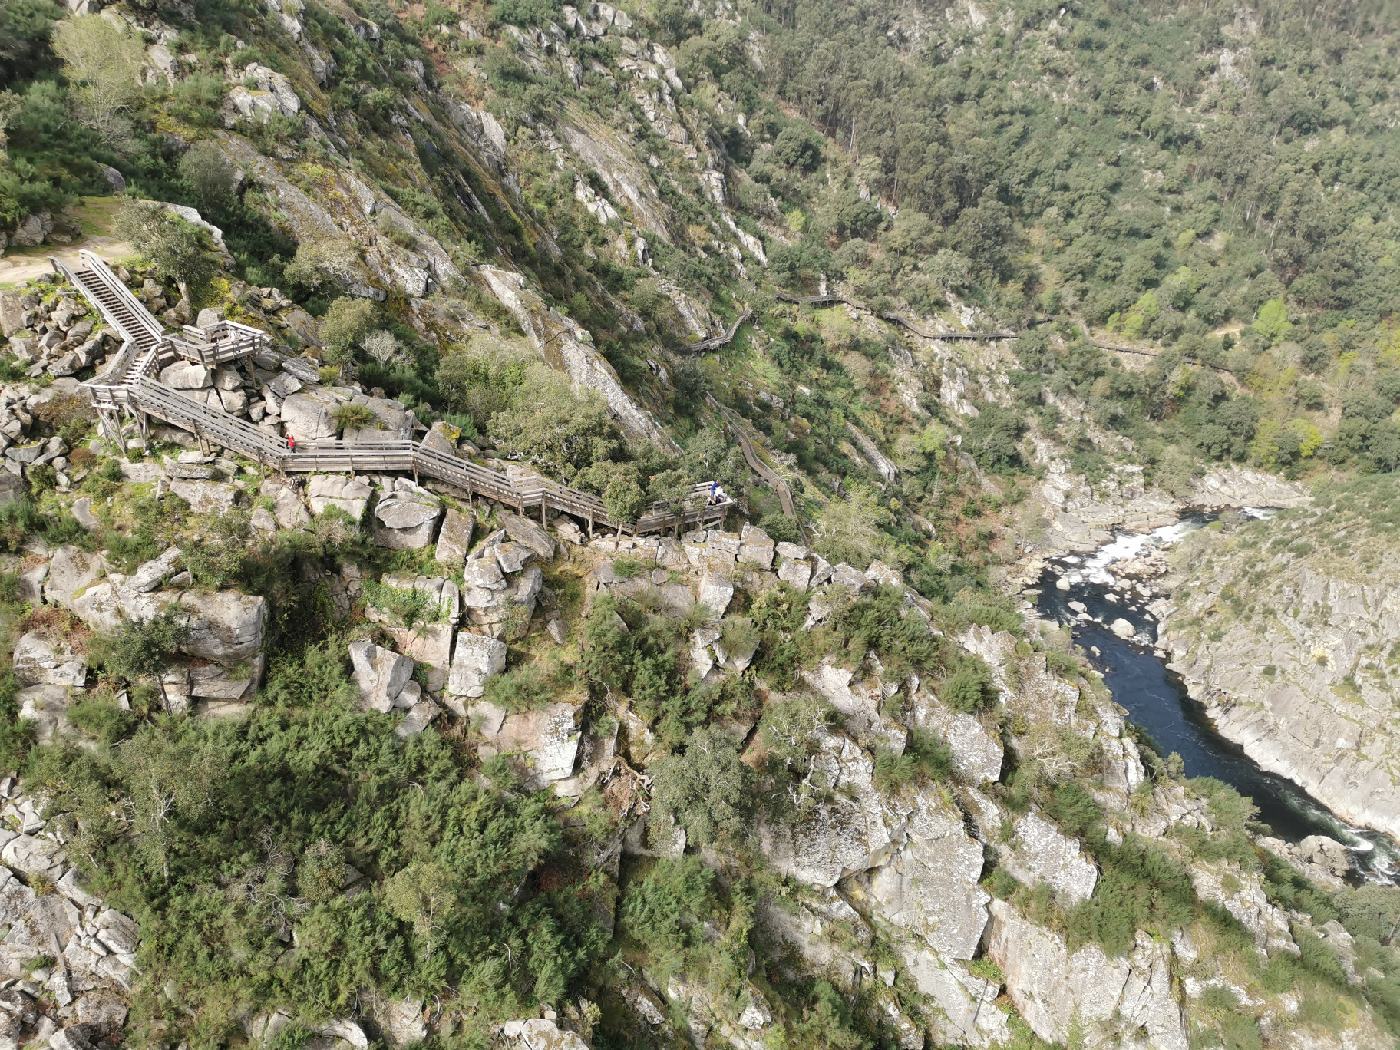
[940,803]
[1286,630]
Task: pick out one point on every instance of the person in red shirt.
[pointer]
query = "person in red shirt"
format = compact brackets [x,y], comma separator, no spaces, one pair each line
[291,443]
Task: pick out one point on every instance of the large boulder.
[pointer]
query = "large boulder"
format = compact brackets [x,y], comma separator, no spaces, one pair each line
[1042,854]
[207,497]
[71,572]
[976,751]
[47,707]
[716,591]
[454,538]
[287,507]
[227,627]
[548,737]
[537,1033]
[41,659]
[183,375]
[153,573]
[476,660]
[406,516]
[309,415]
[429,645]
[756,548]
[342,491]
[381,675]
[528,534]
[846,831]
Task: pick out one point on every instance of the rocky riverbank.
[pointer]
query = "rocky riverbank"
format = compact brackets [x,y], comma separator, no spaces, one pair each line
[1286,630]
[1074,516]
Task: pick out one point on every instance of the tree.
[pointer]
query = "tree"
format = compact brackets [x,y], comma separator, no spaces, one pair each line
[383,348]
[849,529]
[177,249]
[481,377]
[208,174]
[557,429]
[103,59]
[425,896]
[25,26]
[138,651]
[1272,321]
[345,324]
[322,265]
[166,786]
[707,790]
[9,107]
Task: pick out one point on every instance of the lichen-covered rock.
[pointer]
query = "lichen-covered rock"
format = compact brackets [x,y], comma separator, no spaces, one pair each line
[529,535]
[929,885]
[454,538]
[715,594]
[1040,853]
[537,1033]
[406,516]
[207,497]
[1115,1002]
[71,572]
[41,659]
[381,675]
[845,834]
[85,950]
[548,738]
[976,752]
[476,659]
[309,415]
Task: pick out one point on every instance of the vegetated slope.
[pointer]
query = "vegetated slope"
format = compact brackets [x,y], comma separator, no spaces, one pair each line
[1287,630]
[724,791]
[330,760]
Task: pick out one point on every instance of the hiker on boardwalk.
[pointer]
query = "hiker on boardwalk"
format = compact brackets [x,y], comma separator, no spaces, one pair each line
[291,443]
[717,495]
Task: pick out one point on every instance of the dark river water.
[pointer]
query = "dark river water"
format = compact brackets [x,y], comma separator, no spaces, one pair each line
[1156,701]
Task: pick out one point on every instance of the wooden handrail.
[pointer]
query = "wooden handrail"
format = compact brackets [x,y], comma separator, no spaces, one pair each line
[132,381]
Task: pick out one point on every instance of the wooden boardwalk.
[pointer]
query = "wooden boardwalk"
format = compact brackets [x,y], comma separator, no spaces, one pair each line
[131,385]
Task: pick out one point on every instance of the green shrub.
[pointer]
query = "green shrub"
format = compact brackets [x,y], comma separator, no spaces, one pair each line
[352,416]
[969,687]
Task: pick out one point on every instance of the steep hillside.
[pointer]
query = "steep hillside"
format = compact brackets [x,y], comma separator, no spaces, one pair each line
[317,759]
[1286,629]
[326,760]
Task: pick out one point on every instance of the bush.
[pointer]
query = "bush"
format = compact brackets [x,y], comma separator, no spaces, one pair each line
[351,416]
[969,688]
[706,790]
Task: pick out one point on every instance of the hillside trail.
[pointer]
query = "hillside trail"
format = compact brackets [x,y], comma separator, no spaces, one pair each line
[20,266]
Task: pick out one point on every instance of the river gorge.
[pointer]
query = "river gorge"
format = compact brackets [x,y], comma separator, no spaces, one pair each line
[1105,598]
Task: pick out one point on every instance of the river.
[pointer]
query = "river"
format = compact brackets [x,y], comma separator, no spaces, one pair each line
[1157,701]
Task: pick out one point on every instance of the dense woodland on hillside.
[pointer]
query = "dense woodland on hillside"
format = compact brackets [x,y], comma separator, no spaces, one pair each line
[1211,185]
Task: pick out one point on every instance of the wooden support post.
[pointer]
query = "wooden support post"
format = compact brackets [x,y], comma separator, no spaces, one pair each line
[542,512]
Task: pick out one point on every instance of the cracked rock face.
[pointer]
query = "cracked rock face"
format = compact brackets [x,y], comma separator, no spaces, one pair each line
[1042,854]
[1127,1002]
[475,661]
[85,952]
[846,835]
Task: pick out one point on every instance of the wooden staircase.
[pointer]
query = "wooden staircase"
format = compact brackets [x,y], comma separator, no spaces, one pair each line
[131,384]
[114,301]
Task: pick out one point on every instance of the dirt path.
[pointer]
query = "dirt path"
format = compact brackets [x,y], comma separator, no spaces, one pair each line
[20,266]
